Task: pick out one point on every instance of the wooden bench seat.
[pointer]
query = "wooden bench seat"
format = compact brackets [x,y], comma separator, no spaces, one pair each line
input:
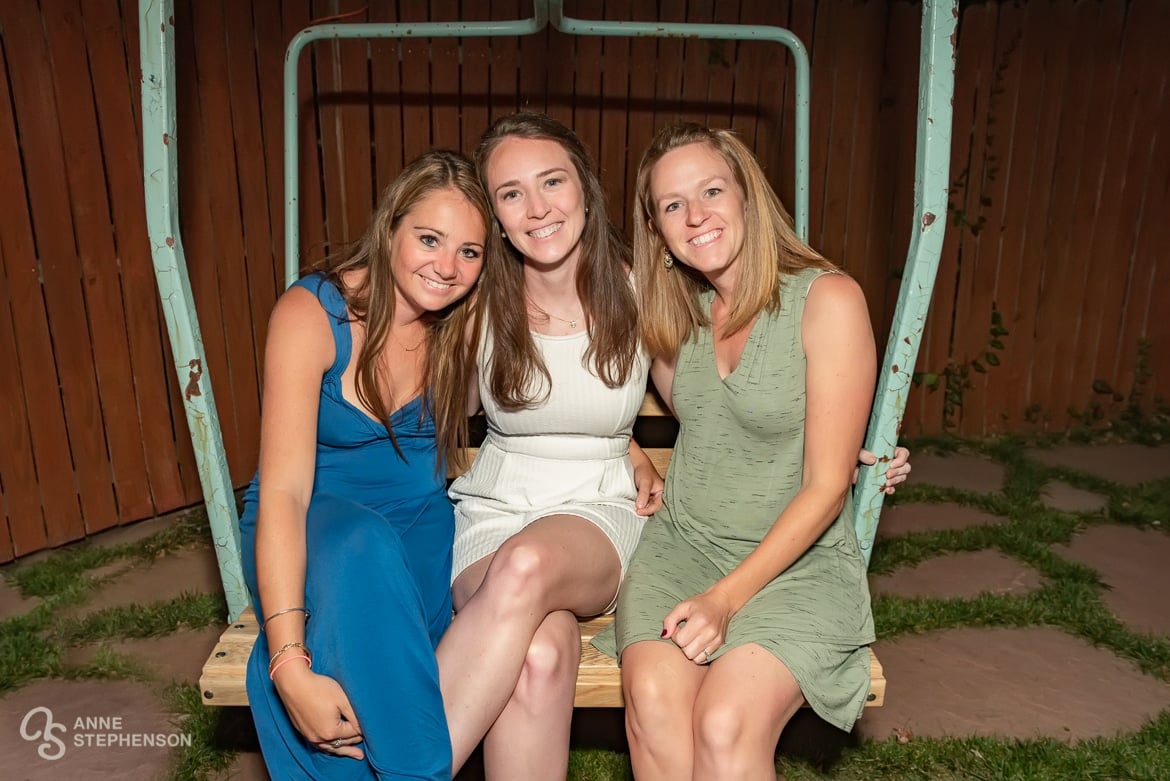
[598,678]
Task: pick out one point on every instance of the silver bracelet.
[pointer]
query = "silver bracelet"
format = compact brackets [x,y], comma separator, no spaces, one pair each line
[282,612]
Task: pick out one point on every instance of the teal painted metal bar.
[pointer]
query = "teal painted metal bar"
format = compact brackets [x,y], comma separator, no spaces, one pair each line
[936,87]
[292,56]
[732,32]
[544,12]
[160,178]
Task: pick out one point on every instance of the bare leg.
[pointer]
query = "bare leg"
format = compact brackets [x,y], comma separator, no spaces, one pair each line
[530,739]
[660,687]
[745,701]
[562,562]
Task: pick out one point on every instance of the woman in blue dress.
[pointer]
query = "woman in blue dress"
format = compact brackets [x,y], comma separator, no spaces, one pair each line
[347,529]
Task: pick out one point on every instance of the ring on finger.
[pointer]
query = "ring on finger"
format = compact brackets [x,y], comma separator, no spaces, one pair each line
[335,743]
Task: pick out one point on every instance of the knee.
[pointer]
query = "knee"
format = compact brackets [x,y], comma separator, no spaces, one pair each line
[651,705]
[719,729]
[519,570]
[550,666]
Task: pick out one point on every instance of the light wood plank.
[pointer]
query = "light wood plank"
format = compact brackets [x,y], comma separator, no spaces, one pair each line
[598,677]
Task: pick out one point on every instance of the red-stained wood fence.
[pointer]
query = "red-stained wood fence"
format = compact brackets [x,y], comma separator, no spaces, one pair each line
[1060,183]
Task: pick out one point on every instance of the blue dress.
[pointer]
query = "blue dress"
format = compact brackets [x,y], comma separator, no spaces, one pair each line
[378,542]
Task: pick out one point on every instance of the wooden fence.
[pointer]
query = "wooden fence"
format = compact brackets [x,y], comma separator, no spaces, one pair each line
[1060,169]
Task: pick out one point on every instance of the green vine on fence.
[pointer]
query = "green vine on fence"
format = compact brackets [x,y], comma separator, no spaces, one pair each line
[970,218]
[955,379]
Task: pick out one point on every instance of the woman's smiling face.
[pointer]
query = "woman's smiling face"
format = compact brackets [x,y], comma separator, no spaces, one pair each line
[698,208]
[437,251]
[537,196]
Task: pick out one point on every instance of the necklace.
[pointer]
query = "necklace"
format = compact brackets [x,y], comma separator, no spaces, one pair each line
[571,323]
[417,345]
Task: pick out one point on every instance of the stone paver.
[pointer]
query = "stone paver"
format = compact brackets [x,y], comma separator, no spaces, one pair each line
[12,602]
[1059,495]
[119,722]
[1128,464]
[248,766]
[176,657]
[958,470]
[921,517]
[1135,564]
[959,576]
[1013,683]
[185,571]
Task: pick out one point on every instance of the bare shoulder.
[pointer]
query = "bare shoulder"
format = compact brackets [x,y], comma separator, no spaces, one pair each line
[300,324]
[834,292]
[835,311]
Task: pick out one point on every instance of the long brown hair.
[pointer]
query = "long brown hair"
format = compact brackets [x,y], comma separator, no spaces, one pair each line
[371,301]
[669,298]
[611,312]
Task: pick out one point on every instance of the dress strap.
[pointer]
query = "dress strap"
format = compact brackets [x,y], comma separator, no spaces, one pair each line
[333,303]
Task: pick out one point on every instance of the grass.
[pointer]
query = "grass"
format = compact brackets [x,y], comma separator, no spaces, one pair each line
[33,645]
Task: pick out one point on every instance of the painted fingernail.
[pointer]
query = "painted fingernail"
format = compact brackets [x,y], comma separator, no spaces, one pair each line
[663,633]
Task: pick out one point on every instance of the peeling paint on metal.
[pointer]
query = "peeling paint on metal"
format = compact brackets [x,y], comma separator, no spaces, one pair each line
[927,220]
[193,376]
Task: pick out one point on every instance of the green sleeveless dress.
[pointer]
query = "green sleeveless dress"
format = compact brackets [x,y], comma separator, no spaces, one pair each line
[736,465]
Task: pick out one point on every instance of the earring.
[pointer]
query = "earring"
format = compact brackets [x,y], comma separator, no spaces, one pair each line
[667,259]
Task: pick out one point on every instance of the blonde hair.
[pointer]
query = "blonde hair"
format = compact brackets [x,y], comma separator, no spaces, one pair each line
[669,299]
[371,301]
[611,311]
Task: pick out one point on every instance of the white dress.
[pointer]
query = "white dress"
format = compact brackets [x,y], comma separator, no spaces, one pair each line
[569,455]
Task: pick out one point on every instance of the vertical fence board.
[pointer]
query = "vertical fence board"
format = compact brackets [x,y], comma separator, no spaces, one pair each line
[106,317]
[1135,92]
[445,130]
[668,69]
[263,278]
[60,266]
[270,43]
[416,81]
[116,91]
[640,121]
[976,267]
[505,56]
[36,449]
[475,78]
[1016,116]
[386,87]
[1072,191]
[241,411]
[697,55]
[1080,289]
[534,85]
[615,90]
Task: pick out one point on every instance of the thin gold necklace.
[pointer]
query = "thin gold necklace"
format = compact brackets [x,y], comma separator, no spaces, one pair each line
[572,323]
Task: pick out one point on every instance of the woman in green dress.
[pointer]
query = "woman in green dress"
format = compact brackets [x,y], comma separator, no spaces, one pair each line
[747,594]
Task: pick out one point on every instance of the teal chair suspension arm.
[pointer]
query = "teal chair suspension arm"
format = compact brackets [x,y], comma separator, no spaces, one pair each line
[936,87]
[161,184]
[936,79]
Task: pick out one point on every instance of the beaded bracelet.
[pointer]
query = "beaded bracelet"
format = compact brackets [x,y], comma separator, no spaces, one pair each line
[272,670]
[308,654]
[268,620]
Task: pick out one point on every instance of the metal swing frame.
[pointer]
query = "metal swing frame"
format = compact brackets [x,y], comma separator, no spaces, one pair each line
[160,174]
